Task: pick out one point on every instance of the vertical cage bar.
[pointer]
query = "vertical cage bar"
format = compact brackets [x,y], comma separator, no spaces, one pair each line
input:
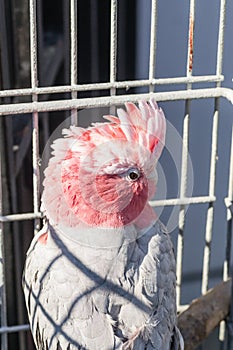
[227,261]
[226,266]
[35,131]
[94,42]
[153,36]
[210,213]
[5,84]
[113,44]
[33,46]
[184,163]
[229,242]
[74,55]
[4,338]
[67,48]
[113,49]
[229,202]
[183,188]
[40,36]
[15,230]
[220,49]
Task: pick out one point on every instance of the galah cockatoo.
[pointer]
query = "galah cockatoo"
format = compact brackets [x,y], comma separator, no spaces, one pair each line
[100,275]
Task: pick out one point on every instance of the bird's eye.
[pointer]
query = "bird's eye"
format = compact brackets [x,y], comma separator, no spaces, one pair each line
[133,174]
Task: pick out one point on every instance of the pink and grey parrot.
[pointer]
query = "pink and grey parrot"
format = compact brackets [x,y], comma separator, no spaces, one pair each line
[100,275]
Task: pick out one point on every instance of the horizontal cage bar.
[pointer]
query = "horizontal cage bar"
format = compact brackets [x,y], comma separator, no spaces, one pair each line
[48,106]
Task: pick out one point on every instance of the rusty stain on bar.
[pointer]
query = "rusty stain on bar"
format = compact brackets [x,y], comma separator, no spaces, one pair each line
[184,159]
[191,31]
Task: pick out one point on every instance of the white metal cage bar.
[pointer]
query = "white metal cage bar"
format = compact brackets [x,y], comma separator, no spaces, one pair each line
[107,101]
[113,51]
[35,121]
[210,214]
[2,273]
[227,262]
[109,85]
[184,161]
[73,55]
[74,103]
[113,46]
[153,31]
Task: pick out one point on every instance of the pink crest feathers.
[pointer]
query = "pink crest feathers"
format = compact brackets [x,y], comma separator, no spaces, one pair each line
[145,125]
[88,163]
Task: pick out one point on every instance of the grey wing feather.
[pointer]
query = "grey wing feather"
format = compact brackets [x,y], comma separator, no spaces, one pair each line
[155,286]
[178,341]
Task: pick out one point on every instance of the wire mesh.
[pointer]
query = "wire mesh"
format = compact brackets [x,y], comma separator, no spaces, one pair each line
[112,86]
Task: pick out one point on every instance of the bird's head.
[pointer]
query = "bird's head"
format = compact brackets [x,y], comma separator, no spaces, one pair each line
[104,176]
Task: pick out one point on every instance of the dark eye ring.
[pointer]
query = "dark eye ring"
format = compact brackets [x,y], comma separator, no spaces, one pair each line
[133,174]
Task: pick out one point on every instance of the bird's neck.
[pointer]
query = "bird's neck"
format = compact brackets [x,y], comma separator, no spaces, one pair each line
[98,237]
